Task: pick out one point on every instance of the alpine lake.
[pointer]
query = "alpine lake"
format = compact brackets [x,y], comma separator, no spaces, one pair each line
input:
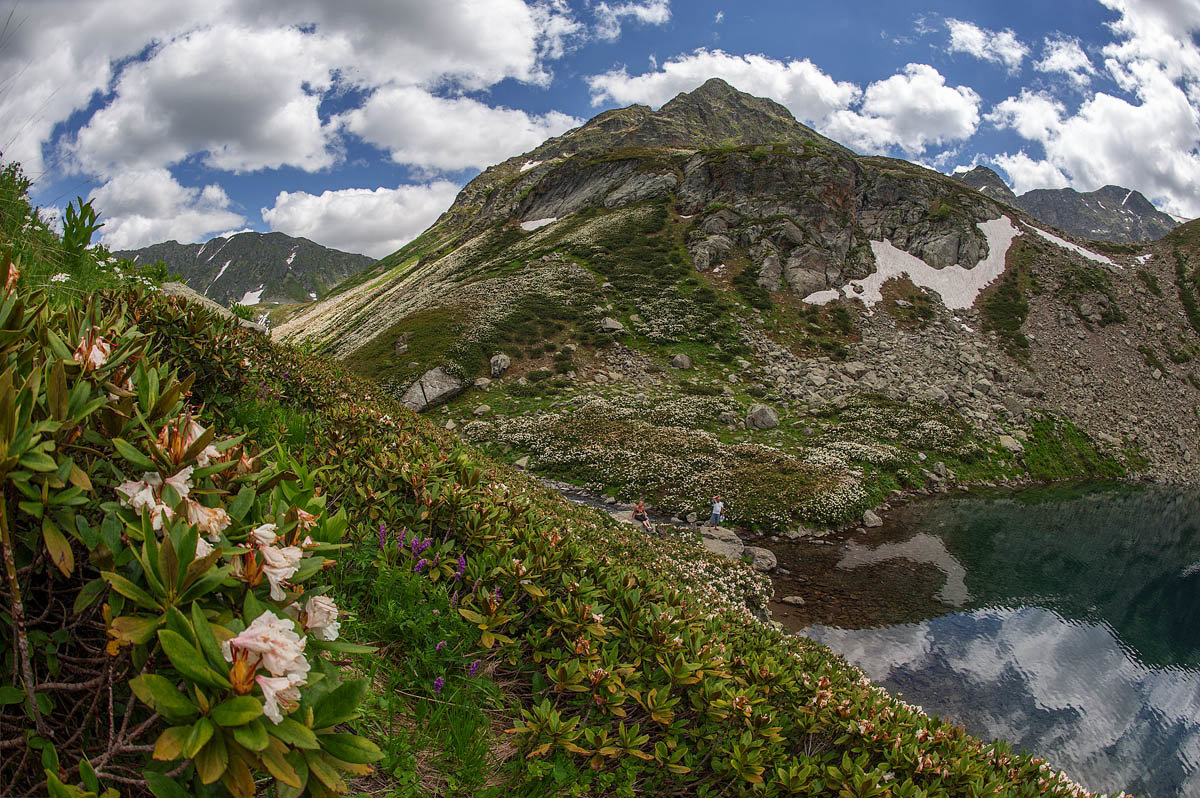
[1063,619]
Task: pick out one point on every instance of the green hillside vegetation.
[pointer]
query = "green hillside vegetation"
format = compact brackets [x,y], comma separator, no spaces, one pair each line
[493,639]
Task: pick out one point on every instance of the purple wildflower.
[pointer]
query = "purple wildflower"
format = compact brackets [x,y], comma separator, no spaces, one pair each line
[419,566]
[436,612]
[462,567]
[474,667]
[382,536]
[454,600]
[440,646]
[437,685]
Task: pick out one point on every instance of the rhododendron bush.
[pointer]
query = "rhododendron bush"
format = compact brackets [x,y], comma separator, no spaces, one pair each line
[166,615]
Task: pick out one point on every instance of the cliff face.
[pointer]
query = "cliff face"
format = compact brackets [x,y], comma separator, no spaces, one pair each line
[1110,213]
[253,268]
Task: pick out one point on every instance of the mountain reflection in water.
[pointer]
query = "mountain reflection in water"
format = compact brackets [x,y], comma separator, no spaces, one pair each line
[1078,639]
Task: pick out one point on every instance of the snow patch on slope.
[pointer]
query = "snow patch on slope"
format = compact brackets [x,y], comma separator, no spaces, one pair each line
[1062,242]
[530,165]
[218,277]
[251,297]
[292,257]
[957,286]
[534,224]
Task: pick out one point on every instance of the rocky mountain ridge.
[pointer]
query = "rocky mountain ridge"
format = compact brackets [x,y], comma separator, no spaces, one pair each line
[1110,213]
[614,312]
[252,268]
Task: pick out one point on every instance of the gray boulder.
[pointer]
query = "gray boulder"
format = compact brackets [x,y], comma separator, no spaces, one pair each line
[763,560]
[196,298]
[871,519]
[433,388]
[794,601]
[482,410]
[500,364]
[722,541]
[610,325]
[681,361]
[762,417]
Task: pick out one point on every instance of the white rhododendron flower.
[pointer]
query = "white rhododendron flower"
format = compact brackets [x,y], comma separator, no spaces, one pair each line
[263,535]
[279,692]
[322,617]
[211,520]
[182,482]
[275,644]
[61,277]
[142,494]
[203,549]
[93,351]
[209,453]
[279,565]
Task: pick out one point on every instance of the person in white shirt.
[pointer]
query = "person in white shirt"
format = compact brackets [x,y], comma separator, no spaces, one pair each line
[718,511]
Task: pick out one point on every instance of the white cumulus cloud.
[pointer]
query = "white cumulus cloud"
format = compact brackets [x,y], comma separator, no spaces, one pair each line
[417,128]
[610,17]
[1065,54]
[373,222]
[221,92]
[1025,173]
[1000,47]
[142,207]
[912,110]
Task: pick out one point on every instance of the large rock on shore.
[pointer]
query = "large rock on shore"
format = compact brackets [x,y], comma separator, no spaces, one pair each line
[720,540]
[433,388]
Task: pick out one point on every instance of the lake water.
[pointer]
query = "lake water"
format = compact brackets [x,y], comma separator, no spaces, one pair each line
[1064,620]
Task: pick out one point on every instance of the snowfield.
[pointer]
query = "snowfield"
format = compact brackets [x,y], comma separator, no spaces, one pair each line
[957,286]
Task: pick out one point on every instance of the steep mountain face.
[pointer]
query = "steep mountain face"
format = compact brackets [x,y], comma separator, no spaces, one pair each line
[1110,213]
[713,298]
[253,268]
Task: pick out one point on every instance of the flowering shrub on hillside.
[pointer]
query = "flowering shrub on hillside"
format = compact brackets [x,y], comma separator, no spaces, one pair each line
[163,583]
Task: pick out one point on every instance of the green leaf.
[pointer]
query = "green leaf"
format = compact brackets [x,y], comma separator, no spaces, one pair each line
[169,745]
[56,789]
[58,547]
[130,591]
[135,629]
[237,711]
[326,773]
[294,733]
[38,461]
[161,695]
[88,594]
[202,731]
[242,504]
[87,774]
[339,705]
[351,748]
[253,736]
[10,695]
[208,641]
[133,456]
[163,786]
[188,661]
[212,760]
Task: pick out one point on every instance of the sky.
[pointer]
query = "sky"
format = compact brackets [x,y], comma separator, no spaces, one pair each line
[355,122]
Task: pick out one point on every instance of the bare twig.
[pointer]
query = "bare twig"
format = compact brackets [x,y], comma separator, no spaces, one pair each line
[18,617]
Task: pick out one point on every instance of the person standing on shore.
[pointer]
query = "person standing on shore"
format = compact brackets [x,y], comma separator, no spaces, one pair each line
[718,511]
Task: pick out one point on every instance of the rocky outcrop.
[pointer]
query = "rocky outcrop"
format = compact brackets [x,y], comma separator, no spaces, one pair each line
[433,388]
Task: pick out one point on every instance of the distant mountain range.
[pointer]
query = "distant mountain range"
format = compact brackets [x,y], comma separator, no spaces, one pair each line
[254,268]
[1111,213]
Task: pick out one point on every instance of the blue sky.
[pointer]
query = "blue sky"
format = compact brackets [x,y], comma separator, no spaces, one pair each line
[355,123]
